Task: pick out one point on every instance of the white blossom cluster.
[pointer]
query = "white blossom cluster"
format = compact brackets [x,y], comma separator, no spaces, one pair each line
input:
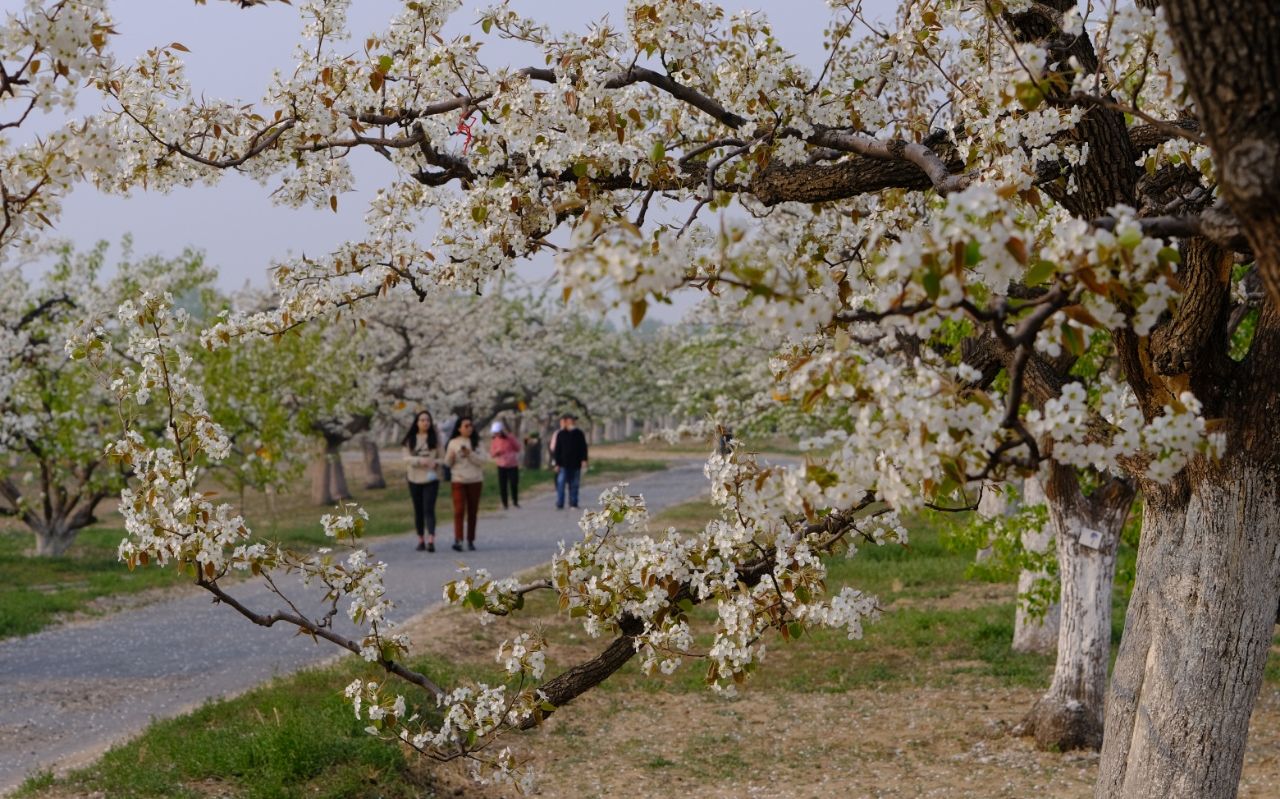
[171,520]
[618,578]
[49,50]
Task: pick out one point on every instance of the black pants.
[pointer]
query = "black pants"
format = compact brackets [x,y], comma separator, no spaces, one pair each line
[509,475]
[424,506]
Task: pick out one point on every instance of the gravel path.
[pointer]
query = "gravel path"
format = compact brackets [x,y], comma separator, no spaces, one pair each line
[68,693]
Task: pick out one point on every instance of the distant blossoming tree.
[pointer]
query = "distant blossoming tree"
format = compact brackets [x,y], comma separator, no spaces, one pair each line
[56,417]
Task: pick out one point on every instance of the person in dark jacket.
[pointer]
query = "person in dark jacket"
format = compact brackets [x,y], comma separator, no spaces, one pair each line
[569,456]
[532,452]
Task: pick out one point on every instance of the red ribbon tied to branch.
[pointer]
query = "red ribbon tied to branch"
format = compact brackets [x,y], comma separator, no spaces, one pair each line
[464,127]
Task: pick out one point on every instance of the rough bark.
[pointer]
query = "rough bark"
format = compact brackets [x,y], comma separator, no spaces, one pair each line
[1197,634]
[372,464]
[1036,633]
[1204,604]
[1233,72]
[1070,714]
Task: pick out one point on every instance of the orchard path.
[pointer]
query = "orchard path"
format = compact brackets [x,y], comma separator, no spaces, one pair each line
[68,693]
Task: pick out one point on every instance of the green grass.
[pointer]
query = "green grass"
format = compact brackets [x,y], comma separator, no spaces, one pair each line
[34,592]
[37,592]
[294,737]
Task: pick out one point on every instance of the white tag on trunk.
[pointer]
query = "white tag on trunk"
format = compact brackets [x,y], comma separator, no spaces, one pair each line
[1090,538]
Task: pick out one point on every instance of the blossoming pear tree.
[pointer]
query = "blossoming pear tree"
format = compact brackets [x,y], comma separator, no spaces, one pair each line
[268,396]
[55,417]
[943,229]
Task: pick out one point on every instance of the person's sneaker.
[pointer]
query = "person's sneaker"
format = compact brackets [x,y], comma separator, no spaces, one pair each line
[422,547]
[559,507]
[517,504]
[431,547]
[471,545]
[575,507]
[457,547]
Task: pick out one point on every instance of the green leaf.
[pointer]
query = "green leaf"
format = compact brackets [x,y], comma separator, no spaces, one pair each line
[384,64]
[1040,272]
[1072,339]
[1029,95]
[479,213]
[932,284]
[487,25]
[1129,239]
[659,150]
[474,599]
[972,253]
[580,169]
[1169,255]
[796,629]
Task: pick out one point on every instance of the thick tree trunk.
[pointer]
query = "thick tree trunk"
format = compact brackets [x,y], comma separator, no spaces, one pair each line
[321,480]
[1087,533]
[54,541]
[337,476]
[372,464]
[1036,633]
[991,504]
[1197,633]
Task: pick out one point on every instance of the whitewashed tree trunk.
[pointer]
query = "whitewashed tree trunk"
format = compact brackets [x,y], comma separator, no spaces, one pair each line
[1087,533]
[54,541]
[1036,633]
[1197,634]
[991,504]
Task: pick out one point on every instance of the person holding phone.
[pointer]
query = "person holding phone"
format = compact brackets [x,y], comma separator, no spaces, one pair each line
[422,454]
[467,464]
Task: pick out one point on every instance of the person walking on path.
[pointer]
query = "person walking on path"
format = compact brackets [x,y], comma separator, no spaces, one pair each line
[467,465]
[569,454]
[422,452]
[532,452]
[504,448]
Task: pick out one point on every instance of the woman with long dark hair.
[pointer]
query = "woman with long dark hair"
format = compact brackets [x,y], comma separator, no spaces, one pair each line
[467,464]
[422,452]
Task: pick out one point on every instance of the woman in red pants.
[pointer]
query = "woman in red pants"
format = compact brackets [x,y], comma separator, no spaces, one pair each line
[467,465]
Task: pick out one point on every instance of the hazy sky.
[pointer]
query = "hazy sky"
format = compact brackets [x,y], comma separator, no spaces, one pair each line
[233,52]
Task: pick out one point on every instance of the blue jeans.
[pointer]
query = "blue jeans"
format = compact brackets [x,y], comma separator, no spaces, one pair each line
[572,478]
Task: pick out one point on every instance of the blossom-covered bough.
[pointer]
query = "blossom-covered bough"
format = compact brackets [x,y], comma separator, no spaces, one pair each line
[989,238]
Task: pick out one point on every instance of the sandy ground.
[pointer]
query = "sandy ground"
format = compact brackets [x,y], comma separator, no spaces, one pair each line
[947,741]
